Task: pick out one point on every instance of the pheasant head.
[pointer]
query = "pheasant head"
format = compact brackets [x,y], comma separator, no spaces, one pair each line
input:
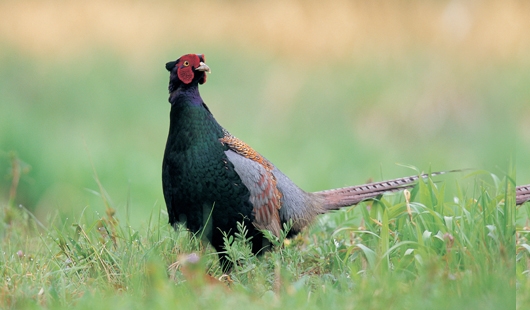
[187,70]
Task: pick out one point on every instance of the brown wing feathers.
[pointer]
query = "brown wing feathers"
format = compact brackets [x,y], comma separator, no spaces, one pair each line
[262,184]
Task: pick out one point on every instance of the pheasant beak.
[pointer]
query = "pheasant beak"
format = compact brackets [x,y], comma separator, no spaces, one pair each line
[203,67]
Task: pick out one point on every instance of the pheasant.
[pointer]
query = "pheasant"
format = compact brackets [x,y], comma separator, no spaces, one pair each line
[212,180]
[522,194]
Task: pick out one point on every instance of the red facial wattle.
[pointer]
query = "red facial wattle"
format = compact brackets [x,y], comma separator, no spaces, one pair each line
[186,67]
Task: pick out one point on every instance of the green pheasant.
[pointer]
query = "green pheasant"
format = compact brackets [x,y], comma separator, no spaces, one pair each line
[212,180]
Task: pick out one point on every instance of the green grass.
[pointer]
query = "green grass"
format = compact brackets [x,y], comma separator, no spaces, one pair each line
[440,251]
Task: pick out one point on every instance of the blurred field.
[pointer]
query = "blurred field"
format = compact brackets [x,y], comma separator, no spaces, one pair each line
[333,94]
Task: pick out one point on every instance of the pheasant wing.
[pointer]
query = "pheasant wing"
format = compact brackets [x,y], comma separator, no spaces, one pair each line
[256,174]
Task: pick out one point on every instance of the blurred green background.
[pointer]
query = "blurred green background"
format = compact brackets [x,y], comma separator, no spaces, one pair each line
[333,93]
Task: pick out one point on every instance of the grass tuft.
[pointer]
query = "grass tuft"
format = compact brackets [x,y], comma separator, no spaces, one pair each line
[426,249]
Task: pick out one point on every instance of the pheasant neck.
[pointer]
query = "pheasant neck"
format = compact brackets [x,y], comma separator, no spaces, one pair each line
[186,95]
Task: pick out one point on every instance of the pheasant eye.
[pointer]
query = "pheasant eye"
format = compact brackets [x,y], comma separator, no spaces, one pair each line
[186,63]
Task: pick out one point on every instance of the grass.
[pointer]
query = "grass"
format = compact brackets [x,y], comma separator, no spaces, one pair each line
[438,250]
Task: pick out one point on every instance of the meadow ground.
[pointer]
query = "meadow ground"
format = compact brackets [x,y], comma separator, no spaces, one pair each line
[428,252]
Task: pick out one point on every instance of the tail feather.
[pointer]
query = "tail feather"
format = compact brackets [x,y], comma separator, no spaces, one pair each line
[522,194]
[351,195]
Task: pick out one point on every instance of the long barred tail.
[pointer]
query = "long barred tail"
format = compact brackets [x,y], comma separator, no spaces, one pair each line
[351,195]
[522,194]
